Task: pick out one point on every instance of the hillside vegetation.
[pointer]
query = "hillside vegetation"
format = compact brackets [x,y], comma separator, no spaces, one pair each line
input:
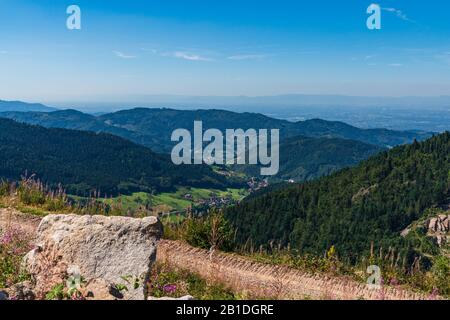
[303,158]
[153,127]
[84,161]
[352,209]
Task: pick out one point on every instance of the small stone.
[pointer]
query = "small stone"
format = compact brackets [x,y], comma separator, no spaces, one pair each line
[21,291]
[3,295]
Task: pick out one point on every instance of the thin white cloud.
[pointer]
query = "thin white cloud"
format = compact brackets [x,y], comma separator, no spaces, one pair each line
[399,13]
[3,52]
[123,55]
[396,65]
[179,54]
[189,56]
[247,57]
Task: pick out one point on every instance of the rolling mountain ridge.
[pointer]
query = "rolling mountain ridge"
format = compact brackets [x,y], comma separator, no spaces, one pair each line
[153,127]
[85,161]
[20,106]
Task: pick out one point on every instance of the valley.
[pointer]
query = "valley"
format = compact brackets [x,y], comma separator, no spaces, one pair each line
[180,201]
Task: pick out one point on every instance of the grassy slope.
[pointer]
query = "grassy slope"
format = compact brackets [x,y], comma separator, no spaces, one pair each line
[175,201]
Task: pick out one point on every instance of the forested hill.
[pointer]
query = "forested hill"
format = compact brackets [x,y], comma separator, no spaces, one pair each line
[153,127]
[374,201]
[303,158]
[157,123]
[86,161]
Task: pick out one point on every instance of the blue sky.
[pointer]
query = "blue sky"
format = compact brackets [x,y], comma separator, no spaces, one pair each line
[130,48]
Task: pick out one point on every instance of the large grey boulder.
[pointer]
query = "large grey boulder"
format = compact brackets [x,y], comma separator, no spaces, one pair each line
[115,251]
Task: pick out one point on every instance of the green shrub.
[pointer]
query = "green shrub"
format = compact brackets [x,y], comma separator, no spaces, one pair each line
[212,230]
[31,192]
[441,275]
[56,293]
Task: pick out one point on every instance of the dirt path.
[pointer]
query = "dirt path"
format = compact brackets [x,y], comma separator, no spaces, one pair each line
[13,218]
[264,280]
[242,274]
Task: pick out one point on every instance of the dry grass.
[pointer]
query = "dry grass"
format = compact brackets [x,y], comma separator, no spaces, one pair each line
[269,281]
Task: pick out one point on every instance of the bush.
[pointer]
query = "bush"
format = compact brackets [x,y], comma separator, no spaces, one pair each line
[31,192]
[212,230]
[441,275]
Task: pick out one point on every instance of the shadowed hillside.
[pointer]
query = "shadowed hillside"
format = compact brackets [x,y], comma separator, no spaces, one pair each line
[86,161]
[153,127]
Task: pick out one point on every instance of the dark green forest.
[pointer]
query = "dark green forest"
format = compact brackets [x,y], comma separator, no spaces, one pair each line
[303,158]
[85,161]
[153,127]
[352,208]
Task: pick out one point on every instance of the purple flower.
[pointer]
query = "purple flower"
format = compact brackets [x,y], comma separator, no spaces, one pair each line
[170,288]
[394,282]
[434,294]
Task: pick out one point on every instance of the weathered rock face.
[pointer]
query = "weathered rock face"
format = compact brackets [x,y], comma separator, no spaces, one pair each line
[440,223]
[114,251]
[439,228]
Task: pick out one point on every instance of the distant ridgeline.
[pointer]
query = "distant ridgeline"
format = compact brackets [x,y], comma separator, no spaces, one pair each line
[86,161]
[309,149]
[153,127]
[352,208]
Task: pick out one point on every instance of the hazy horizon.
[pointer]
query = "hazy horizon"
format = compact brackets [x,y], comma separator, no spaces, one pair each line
[408,113]
[247,103]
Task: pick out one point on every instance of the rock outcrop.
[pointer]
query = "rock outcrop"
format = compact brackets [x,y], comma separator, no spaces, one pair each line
[439,228]
[110,256]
